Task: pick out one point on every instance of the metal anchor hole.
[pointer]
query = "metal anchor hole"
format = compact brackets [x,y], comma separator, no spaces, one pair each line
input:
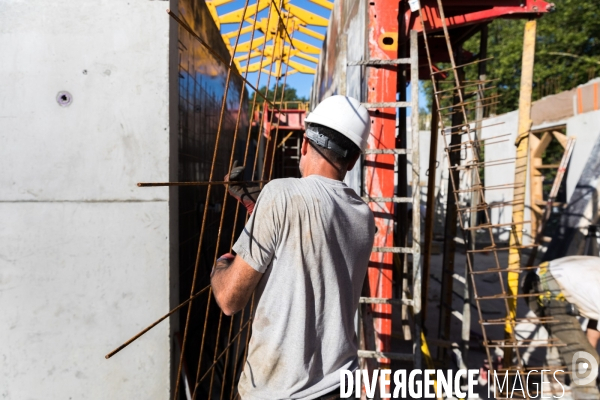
[64,98]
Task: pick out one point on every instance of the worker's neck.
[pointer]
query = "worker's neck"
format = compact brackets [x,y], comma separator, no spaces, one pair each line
[324,168]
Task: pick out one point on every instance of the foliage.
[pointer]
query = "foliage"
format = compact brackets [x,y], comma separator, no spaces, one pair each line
[290,94]
[567,52]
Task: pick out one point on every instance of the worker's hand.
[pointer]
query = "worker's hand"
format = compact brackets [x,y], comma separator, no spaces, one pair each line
[245,193]
[223,262]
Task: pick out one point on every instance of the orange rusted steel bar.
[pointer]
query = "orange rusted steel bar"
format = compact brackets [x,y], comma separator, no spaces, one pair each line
[237,204]
[152,325]
[153,184]
[231,67]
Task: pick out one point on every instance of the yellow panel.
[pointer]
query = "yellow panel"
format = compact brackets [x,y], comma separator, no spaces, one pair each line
[257,65]
[307,57]
[306,16]
[310,32]
[245,56]
[237,15]
[323,3]
[245,47]
[217,3]
[234,33]
[305,47]
[301,67]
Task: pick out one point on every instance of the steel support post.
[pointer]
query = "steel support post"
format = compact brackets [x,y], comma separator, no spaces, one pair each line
[524,130]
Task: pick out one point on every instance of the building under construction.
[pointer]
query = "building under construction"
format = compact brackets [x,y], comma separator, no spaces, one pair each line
[130,117]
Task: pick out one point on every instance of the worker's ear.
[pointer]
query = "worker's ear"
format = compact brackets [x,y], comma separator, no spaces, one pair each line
[353,162]
[304,147]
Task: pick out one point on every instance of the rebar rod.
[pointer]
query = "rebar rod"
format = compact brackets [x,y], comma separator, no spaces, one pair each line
[220,123]
[223,352]
[226,183]
[237,204]
[220,229]
[152,325]
[231,67]
[254,106]
[218,240]
[463,65]
[455,186]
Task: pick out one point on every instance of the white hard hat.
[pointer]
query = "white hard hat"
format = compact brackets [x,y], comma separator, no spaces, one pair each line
[345,115]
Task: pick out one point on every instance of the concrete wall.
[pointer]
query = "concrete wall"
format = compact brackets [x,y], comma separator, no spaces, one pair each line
[500,133]
[441,172]
[586,128]
[84,253]
[583,126]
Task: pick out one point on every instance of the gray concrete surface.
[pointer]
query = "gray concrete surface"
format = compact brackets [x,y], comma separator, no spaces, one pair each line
[84,253]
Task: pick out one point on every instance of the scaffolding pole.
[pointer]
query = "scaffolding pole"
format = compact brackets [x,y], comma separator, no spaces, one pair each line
[524,129]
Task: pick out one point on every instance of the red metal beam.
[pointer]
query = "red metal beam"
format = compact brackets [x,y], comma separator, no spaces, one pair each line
[286,119]
[464,17]
[467,12]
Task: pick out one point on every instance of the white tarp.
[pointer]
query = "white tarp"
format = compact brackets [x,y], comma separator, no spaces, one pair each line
[579,279]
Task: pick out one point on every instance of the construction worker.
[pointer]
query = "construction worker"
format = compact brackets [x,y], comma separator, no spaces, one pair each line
[304,254]
[568,288]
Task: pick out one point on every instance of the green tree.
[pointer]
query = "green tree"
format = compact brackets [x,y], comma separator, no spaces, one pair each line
[567,52]
[289,94]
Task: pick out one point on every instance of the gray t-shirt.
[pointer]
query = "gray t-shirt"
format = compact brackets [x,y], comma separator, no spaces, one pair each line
[312,238]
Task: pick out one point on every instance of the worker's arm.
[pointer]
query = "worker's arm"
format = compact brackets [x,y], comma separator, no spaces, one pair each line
[233,282]
[235,278]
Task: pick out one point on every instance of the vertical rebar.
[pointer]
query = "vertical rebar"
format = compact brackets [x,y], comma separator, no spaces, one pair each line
[202,230]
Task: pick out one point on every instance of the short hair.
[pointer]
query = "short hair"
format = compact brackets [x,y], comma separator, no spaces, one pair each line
[339,139]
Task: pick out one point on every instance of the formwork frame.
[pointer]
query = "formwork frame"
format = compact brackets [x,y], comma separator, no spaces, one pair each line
[379,179]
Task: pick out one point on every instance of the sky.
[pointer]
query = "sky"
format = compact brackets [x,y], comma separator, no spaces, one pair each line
[301,82]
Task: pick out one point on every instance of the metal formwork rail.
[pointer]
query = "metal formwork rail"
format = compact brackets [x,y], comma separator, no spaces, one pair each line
[381,203]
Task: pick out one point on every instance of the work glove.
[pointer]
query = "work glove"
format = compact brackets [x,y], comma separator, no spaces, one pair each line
[245,193]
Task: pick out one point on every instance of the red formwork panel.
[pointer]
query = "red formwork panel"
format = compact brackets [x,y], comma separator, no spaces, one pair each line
[379,169]
[284,119]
